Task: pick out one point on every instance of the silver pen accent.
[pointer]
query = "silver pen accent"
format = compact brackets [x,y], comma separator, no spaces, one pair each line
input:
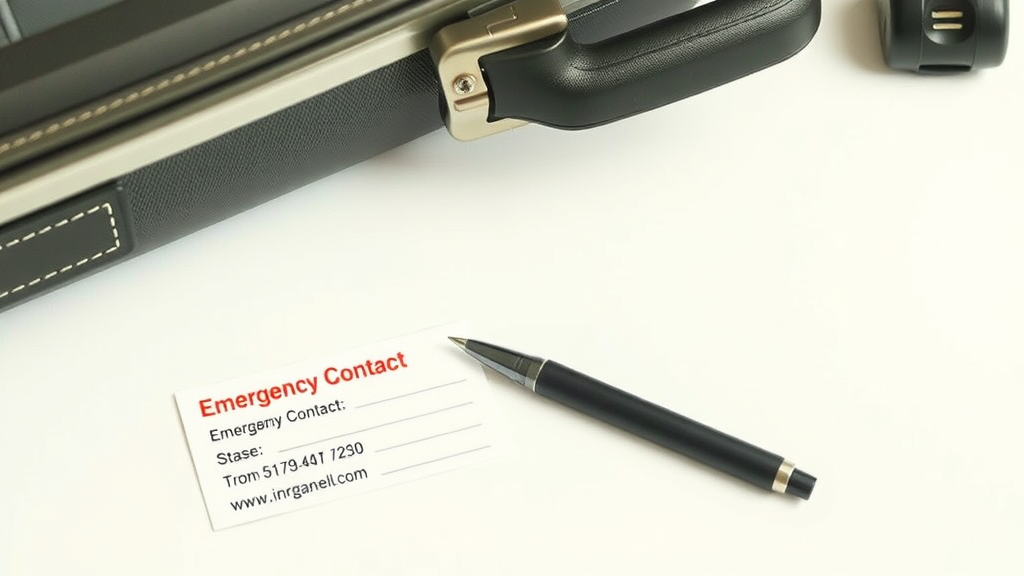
[519,368]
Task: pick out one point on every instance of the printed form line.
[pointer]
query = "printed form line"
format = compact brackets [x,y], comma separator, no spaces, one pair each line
[430,437]
[435,460]
[410,393]
[377,426]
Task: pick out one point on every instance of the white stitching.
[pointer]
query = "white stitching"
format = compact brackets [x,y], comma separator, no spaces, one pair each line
[113,226]
[177,78]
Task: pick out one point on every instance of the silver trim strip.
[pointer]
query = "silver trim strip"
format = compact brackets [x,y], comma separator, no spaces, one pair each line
[341,15]
[7,21]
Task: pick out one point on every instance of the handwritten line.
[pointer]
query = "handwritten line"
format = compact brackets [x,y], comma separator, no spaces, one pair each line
[411,393]
[377,426]
[435,460]
[430,437]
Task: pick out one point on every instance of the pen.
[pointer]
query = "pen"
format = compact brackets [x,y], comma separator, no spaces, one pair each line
[645,419]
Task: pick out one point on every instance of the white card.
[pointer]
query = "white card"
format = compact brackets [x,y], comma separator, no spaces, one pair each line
[337,426]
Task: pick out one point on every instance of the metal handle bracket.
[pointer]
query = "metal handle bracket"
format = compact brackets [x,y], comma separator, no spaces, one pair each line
[457,49]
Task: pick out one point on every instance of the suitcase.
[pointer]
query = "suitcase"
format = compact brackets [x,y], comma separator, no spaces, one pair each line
[126,124]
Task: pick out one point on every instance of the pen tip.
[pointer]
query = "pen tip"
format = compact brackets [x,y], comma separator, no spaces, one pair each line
[460,342]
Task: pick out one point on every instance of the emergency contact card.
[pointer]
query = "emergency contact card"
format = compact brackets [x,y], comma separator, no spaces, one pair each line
[337,426]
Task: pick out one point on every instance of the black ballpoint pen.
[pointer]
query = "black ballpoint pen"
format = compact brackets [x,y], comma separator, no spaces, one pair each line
[645,419]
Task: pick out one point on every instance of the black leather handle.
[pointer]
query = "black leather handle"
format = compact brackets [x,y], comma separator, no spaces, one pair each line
[561,83]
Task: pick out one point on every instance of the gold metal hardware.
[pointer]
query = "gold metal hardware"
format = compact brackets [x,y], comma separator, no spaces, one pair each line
[949,16]
[782,476]
[457,49]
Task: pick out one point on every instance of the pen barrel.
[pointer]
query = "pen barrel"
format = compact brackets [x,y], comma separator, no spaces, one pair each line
[657,424]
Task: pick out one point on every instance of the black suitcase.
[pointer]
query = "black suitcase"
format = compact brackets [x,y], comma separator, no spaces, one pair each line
[127,124]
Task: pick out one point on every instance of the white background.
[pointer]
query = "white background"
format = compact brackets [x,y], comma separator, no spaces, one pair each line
[826,259]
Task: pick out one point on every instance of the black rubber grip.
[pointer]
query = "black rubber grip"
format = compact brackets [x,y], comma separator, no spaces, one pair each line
[659,425]
[561,83]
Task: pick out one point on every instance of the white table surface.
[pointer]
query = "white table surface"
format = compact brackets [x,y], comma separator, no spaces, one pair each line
[826,259]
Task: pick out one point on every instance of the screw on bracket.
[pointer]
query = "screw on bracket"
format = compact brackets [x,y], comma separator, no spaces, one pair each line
[464,84]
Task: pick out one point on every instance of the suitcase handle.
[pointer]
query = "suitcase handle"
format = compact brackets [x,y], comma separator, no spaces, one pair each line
[558,82]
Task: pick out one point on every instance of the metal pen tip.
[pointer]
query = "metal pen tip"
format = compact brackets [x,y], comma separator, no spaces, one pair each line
[460,342]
